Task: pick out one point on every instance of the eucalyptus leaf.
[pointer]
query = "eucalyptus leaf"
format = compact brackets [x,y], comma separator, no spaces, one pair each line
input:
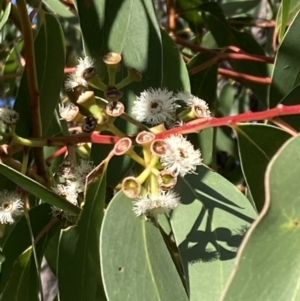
[37,189]
[78,269]
[286,72]
[276,228]
[209,226]
[144,269]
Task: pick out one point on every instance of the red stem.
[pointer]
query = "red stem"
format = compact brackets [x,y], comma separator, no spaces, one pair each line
[199,124]
[243,76]
[239,55]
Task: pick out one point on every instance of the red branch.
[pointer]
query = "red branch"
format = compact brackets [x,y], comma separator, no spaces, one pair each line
[199,124]
[238,55]
[190,127]
[243,76]
[56,154]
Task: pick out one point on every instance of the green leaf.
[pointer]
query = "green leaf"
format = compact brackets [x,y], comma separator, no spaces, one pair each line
[78,266]
[19,239]
[286,72]
[172,60]
[4,16]
[49,49]
[209,226]
[61,10]
[257,145]
[282,18]
[292,98]
[51,252]
[143,270]
[239,8]
[267,266]
[18,286]
[37,189]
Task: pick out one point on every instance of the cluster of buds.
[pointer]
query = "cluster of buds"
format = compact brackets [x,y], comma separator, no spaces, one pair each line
[87,111]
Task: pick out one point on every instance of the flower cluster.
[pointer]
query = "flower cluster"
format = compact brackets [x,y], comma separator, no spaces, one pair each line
[177,157]
[75,177]
[10,206]
[156,106]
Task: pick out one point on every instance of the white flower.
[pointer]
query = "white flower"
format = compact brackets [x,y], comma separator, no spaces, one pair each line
[180,157]
[155,106]
[80,173]
[10,206]
[69,192]
[8,116]
[76,78]
[68,112]
[84,168]
[200,106]
[153,204]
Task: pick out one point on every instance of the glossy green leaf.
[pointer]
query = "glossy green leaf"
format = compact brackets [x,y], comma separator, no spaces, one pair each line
[292,98]
[18,286]
[286,73]
[267,266]
[257,145]
[19,239]
[4,16]
[282,18]
[239,8]
[143,270]
[78,265]
[228,36]
[61,10]
[51,252]
[209,226]
[49,48]
[172,60]
[37,189]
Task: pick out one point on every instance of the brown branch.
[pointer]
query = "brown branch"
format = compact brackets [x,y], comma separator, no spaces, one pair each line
[242,76]
[238,55]
[171,15]
[33,85]
[260,24]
